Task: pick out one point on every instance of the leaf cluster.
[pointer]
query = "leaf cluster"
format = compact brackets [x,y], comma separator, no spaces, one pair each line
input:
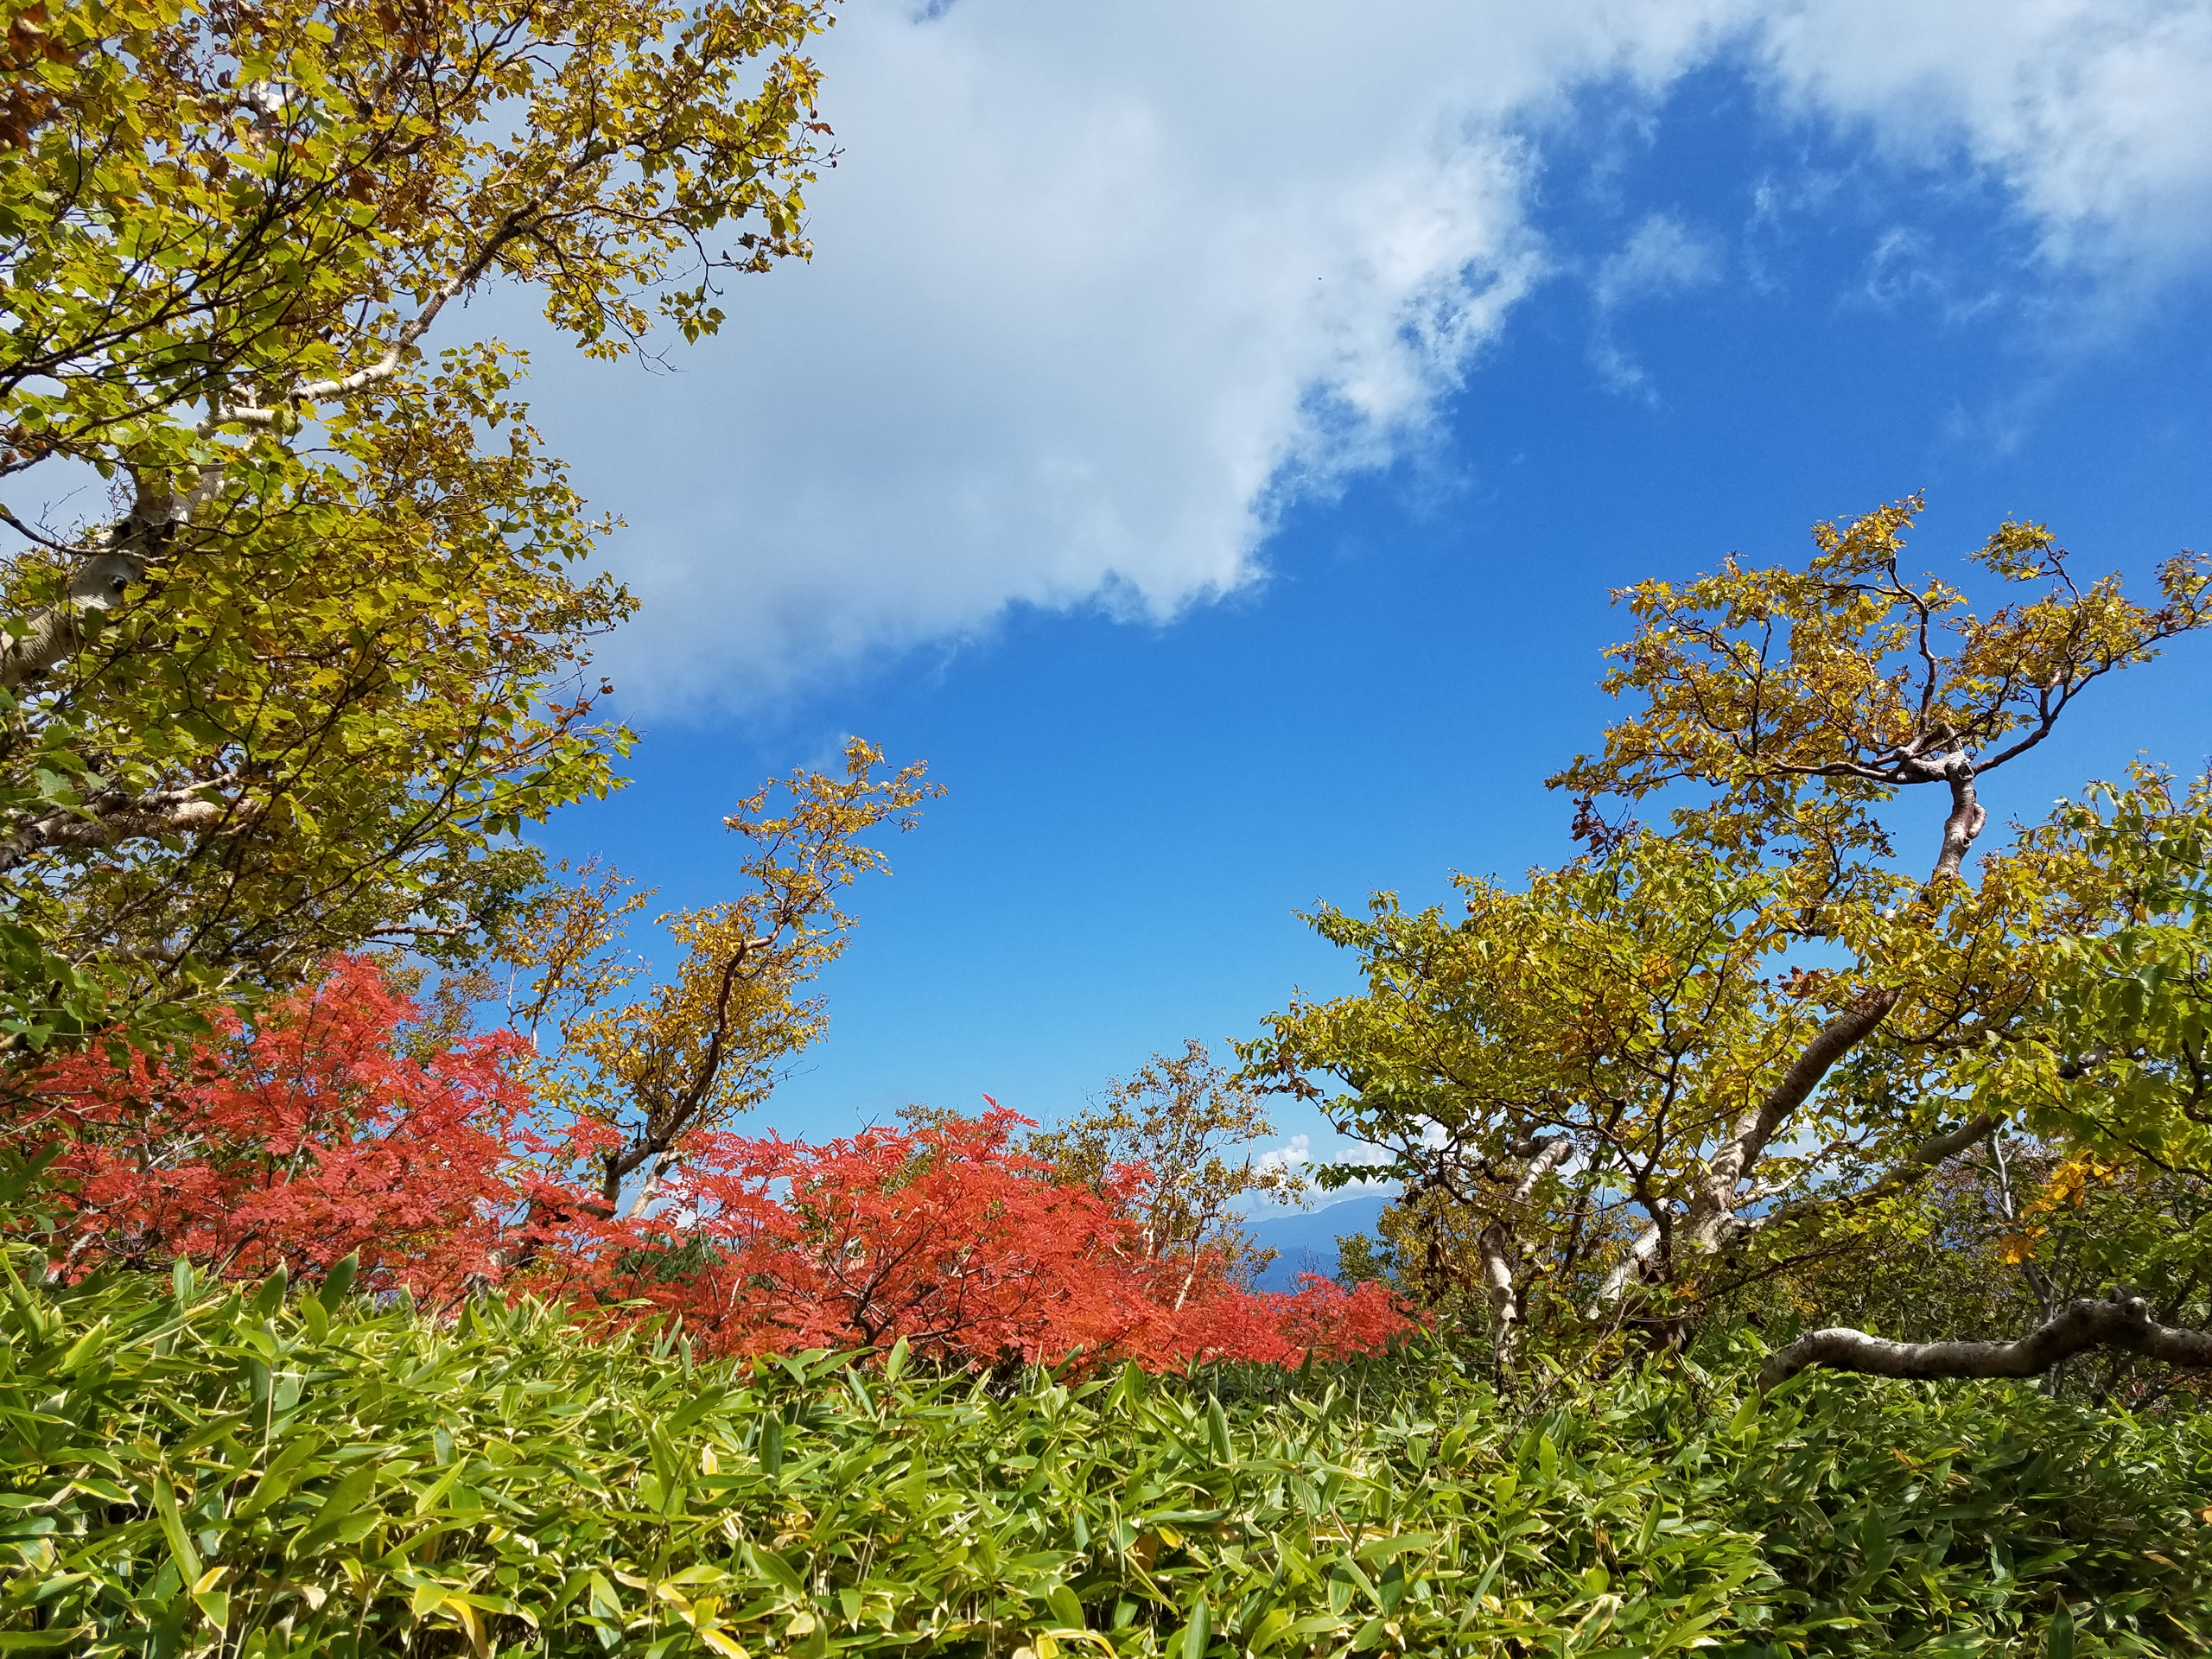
[1851,675]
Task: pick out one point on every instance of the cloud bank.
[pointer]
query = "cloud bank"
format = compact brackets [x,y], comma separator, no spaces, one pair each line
[1099,292]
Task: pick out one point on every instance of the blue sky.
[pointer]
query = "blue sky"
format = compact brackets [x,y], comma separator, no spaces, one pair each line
[1208,436]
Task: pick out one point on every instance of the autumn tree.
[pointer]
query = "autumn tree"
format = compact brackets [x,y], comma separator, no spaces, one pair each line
[1189,1126]
[328,1130]
[952,1238]
[638,1079]
[1672,1066]
[2110,1073]
[289,675]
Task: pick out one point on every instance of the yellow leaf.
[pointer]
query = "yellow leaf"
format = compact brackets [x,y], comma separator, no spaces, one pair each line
[472,1625]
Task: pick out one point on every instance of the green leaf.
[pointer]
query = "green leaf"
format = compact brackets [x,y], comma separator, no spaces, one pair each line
[774,1568]
[2058,1633]
[338,1282]
[180,1549]
[1382,1549]
[271,1296]
[435,1493]
[336,1509]
[772,1444]
[1746,1417]
[82,1351]
[1197,1636]
[695,1409]
[215,1605]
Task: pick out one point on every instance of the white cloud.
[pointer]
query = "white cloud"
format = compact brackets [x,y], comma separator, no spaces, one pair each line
[1298,1153]
[1099,290]
[1661,256]
[2091,112]
[1293,1155]
[1361,1156]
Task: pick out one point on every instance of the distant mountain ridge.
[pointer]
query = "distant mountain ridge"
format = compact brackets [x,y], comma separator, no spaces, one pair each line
[1306,1240]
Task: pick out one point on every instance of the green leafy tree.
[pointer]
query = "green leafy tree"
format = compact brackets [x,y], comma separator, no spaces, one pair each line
[295,681]
[2004,1237]
[2112,1075]
[1624,1090]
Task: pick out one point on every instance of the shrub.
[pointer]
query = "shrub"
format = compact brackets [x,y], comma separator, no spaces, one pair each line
[332,1129]
[188,1468]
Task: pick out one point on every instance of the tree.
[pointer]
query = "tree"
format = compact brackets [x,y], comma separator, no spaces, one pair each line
[1179,1120]
[2006,1238]
[294,1143]
[644,1079]
[1673,1066]
[2113,1070]
[295,686]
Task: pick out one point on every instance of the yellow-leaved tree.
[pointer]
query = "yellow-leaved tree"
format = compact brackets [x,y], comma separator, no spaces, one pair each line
[655,1072]
[1191,1126]
[1693,1055]
[315,649]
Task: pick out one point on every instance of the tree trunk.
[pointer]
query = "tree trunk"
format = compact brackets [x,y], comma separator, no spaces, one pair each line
[1501,1254]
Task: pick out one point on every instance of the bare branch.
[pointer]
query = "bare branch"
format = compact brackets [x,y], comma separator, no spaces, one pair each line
[2125,1322]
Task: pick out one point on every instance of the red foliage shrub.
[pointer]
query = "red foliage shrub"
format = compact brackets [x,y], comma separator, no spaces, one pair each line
[954,1238]
[1321,1317]
[308,1138]
[951,1237]
[315,1135]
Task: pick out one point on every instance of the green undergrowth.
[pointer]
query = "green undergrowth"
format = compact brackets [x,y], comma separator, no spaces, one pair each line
[195,1469]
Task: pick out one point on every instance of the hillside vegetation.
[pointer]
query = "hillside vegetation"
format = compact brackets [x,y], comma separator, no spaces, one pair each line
[191,1467]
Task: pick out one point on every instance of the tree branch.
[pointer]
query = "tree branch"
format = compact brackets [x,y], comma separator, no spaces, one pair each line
[1917,1166]
[1713,1212]
[1631,1262]
[117,817]
[2123,1322]
[1966,818]
[106,569]
[1500,1250]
